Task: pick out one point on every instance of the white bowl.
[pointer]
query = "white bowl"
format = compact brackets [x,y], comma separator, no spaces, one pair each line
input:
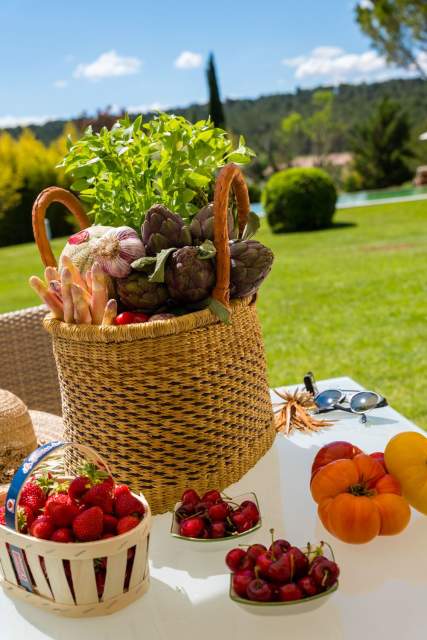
[216,544]
[291,607]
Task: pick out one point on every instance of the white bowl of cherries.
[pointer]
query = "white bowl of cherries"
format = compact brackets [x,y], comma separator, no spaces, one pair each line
[214,518]
[282,579]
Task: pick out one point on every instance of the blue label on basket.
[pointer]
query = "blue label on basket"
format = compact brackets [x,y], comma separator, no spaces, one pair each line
[22,572]
[21,476]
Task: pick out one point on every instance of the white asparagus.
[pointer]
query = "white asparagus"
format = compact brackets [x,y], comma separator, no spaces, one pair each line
[81,306]
[49,298]
[110,312]
[67,299]
[51,273]
[75,273]
[99,297]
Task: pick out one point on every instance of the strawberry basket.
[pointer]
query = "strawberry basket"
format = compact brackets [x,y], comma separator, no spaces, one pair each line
[170,404]
[61,577]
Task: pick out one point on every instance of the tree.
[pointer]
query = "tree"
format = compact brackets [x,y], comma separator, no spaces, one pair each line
[216,110]
[381,147]
[397,28]
[293,135]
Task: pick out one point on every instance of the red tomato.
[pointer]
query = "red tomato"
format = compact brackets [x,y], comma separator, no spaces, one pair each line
[379,457]
[131,317]
[333,451]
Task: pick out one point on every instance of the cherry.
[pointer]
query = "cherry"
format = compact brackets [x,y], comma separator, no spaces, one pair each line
[281,570]
[264,562]
[289,592]
[240,582]
[247,563]
[300,561]
[255,550]
[325,573]
[279,547]
[190,496]
[202,506]
[218,530]
[238,518]
[192,527]
[250,510]
[234,558]
[308,585]
[211,496]
[185,510]
[246,525]
[259,590]
[219,511]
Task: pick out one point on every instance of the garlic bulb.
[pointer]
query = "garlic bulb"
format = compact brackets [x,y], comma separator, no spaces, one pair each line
[116,249]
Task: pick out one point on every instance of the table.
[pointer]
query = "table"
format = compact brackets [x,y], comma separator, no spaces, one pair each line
[383,585]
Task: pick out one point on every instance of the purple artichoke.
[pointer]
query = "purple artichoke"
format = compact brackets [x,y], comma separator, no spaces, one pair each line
[187,277]
[137,292]
[202,225]
[163,229]
[251,262]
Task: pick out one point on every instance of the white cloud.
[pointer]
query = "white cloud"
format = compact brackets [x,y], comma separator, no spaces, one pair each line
[108,65]
[336,64]
[366,4]
[23,121]
[60,84]
[188,60]
[146,108]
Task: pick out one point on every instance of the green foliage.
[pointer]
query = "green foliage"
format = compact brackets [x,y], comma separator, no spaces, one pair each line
[293,135]
[397,28]
[27,167]
[121,173]
[216,110]
[381,147]
[299,200]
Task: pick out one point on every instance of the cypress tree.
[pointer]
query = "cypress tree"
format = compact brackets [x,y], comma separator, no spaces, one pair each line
[216,110]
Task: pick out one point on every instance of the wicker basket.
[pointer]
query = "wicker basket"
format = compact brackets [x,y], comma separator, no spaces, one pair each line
[170,404]
[34,570]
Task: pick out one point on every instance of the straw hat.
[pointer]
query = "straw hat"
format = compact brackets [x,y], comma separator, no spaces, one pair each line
[21,431]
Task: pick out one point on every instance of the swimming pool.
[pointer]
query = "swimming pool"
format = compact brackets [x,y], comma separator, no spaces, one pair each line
[369,198]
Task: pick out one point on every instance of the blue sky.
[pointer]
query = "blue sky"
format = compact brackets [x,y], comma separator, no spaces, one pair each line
[60,58]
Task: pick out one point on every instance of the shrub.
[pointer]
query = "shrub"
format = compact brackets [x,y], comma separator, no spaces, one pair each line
[299,200]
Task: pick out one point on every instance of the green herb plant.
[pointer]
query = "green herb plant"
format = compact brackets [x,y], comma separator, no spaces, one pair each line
[121,172]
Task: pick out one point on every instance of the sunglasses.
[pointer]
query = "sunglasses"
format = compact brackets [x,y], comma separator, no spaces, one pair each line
[344,399]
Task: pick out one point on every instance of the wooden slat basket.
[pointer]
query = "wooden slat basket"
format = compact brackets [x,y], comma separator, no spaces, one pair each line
[38,571]
[183,402]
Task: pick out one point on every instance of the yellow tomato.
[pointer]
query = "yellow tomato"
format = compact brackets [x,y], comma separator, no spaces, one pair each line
[406,459]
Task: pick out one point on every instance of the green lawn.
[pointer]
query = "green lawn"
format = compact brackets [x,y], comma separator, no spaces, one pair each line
[347,301]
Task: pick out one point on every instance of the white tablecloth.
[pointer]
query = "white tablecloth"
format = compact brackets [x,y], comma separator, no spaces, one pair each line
[383,584]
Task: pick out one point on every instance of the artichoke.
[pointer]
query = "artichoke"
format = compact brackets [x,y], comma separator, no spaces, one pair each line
[188,277]
[137,292]
[163,229]
[202,225]
[250,263]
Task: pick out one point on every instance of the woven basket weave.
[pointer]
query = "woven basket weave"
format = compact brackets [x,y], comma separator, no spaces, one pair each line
[176,403]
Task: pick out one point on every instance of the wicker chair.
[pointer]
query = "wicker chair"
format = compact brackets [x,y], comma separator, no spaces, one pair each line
[27,364]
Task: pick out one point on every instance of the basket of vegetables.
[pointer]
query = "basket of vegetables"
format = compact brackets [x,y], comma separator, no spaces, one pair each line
[155,331]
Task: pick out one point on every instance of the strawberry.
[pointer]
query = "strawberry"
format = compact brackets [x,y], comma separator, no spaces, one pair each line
[126,505]
[62,509]
[2,515]
[64,534]
[105,536]
[42,527]
[88,524]
[78,487]
[100,495]
[100,582]
[127,523]
[32,496]
[25,518]
[121,488]
[110,523]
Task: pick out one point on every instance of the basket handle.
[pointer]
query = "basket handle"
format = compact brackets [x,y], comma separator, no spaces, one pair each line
[33,462]
[230,177]
[43,201]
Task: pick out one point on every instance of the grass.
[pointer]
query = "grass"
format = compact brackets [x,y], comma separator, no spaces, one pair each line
[350,300]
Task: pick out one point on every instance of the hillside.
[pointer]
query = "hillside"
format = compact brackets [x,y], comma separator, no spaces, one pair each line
[258,119]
